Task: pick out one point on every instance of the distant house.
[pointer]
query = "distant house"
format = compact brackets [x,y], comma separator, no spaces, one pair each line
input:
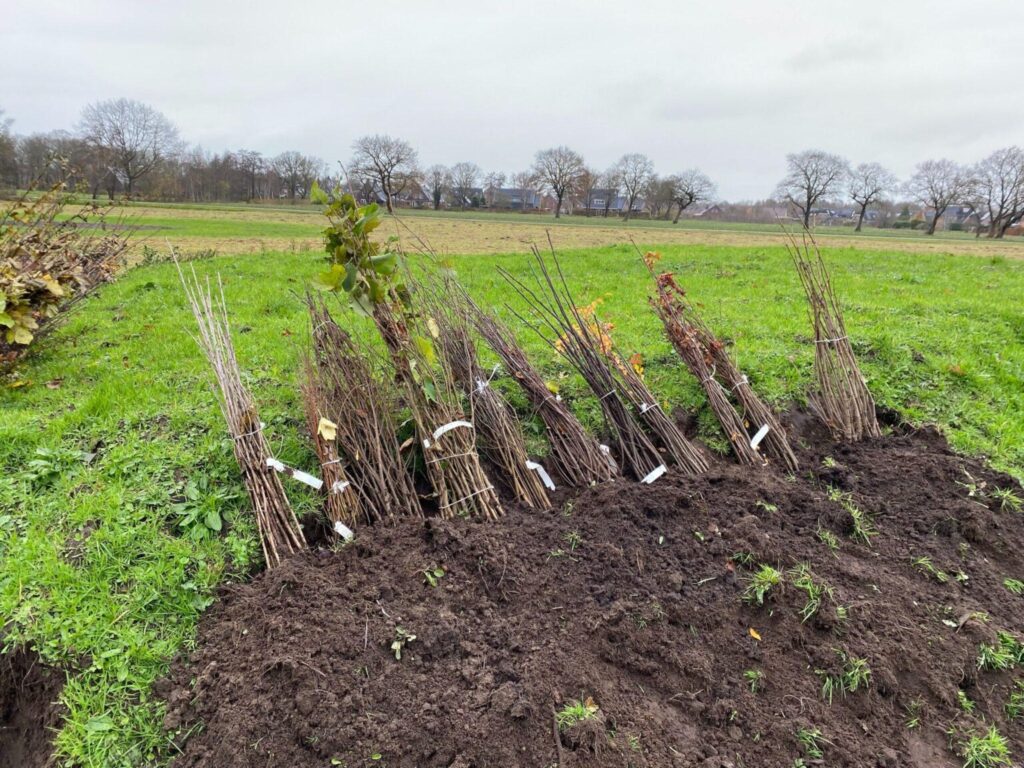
[712,211]
[513,199]
[601,200]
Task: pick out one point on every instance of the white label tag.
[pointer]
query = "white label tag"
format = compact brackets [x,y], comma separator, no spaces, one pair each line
[303,477]
[343,530]
[654,474]
[542,473]
[756,439]
[449,427]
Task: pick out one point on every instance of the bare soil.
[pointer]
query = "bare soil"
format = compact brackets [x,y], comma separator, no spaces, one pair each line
[28,710]
[632,596]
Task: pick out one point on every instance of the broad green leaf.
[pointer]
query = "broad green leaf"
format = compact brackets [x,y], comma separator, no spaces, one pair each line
[426,348]
[213,521]
[6,320]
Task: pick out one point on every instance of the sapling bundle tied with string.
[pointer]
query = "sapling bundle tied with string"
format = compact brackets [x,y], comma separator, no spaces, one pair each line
[756,415]
[560,323]
[375,282]
[576,456]
[659,424]
[670,305]
[841,398]
[499,435]
[280,533]
[361,407]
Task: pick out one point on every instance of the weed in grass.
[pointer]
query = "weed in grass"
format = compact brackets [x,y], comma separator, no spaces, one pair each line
[1007,654]
[829,463]
[924,565]
[961,577]
[755,679]
[1014,585]
[1008,500]
[634,743]
[575,712]
[988,751]
[574,540]
[760,584]
[810,741]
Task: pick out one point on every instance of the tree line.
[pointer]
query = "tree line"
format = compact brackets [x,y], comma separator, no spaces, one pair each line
[124,147]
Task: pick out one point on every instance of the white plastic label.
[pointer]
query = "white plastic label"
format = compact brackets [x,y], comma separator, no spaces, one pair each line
[654,474]
[449,427]
[343,530]
[756,439]
[303,477]
[542,473]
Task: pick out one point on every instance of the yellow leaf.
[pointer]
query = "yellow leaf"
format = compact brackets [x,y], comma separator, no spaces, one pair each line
[755,634]
[432,327]
[327,429]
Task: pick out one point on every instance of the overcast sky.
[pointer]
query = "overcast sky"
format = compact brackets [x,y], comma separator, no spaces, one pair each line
[729,86]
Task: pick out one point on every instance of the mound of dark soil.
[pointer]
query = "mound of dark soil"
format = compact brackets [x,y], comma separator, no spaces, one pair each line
[28,710]
[632,596]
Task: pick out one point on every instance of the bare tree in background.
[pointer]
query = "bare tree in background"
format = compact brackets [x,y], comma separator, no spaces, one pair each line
[998,182]
[493,182]
[526,183]
[8,155]
[252,165]
[938,184]
[437,180]
[389,163]
[868,184]
[137,137]
[635,171]
[688,188]
[559,169]
[464,178]
[589,180]
[811,175]
[612,182]
[658,194]
[297,172]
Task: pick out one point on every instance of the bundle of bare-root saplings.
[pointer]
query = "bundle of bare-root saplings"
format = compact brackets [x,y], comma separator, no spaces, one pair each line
[499,434]
[574,333]
[280,533]
[841,398]
[375,282]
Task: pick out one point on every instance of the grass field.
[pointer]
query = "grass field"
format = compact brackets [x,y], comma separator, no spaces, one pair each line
[115,466]
[262,228]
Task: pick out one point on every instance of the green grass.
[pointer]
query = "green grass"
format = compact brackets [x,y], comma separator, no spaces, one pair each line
[106,555]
